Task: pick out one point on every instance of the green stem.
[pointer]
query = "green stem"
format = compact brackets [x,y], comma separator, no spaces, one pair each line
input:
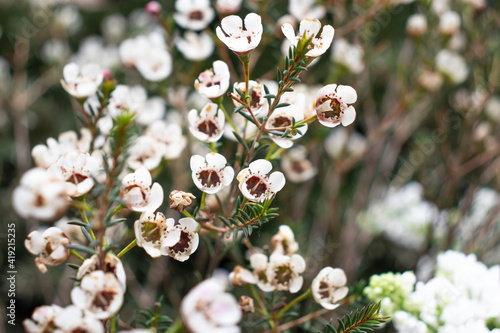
[176,327]
[77,255]
[188,214]
[276,154]
[226,115]
[257,298]
[269,153]
[128,248]
[300,298]
[246,68]
[117,209]
[202,204]
[112,322]
[308,120]
[213,147]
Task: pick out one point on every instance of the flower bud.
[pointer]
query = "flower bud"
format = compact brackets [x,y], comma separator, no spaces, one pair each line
[246,304]
[153,8]
[180,200]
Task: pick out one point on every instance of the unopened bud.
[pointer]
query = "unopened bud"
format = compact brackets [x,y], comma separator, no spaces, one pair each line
[180,200]
[153,8]
[246,304]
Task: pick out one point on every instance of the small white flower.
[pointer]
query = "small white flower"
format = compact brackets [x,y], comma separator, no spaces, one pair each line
[133,49]
[261,274]
[257,103]
[416,25]
[112,264]
[78,170]
[149,230]
[81,83]
[284,242]
[452,65]
[155,65]
[284,272]
[296,166]
[207,308]
[195,46]
[181,240]
[180,200]
[40,196]
[74,319]
[311,28]
[138,194]
[49,246]
[173,143]
[193,14]
[328,287]
[125,98]
[99,293]
[449,22]
[213,82]
[151,111]
[210,174]
[285,117]
[332,105]
[145,152]
[42,319]
[349,55]
[208,125]
[240,276]
[302,9]
[46,155]
[254,183]
[227,7]
[240,41]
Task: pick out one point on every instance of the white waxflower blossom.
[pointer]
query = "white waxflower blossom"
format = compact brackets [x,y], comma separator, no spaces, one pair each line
[149,230]
[125,98]
[74,319]
[440,6]
[296,166]
[430,81]
[113,27]
[284,272]
[348,55]
[302,9]
[78,170]
[328,287]
[181,240]
[133,49]
[138,194]
[193,14]
[208,125]
[333,105]
[258,104]
[93,49]
[210,174]
[283,242]
[214,82]
[173,143]
[311,27]
[195,46]
[180,200]
[207,308]
[449,22]
[40,196]
[49,246]
[416,25]
[254,183]
[81,82]
[68,18]
[47,155]
[151,111]
[241,41]
[111,264]
[452,65]
[457,42]
[227,7]
[285,117]
[145,152]
[42,319]
[155,65]
[99,293]
[55,51]
[405,322]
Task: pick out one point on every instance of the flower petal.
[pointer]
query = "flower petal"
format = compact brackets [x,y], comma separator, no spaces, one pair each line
[276,181]
[349,116]
[347,93]
[261,166]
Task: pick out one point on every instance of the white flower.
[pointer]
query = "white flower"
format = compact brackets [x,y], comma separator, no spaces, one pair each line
[138,194]
[302,9]
[99,293]
[254,183]
[213,82]
[349,55]
[207,308]
[49,246]
[40,196]
[416,25]
[285,117]
[311,28]
[210,174]
[195,46]
[332,105]
[73,319]
[133,49]
[112,264]
[42,319]
[284,242]
[46,155]
[296,166]
[173,143]
[78,170]
[193,14]
[145,152]
[284,272]
[227,7]
[93,49]
[81,83]
[125,98]
[452,65]
[208,125]
[151,111]
[257,101]
[405,322]
[328,287]
[449,22]
[181,240]
[149,230]
[240,41]
[155,65]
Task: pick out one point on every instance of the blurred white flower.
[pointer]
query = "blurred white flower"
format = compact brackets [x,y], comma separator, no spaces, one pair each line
[214,82]
[145,152]
[283,242]
[126,98]
[112,264]
[416,25]
[42,319]
[348,55]
[151,111]
[405,322]
[149,230]
[47,155]
[173,143]
[193,14]
[113,27]
[81,82]
[241,41]
[328,287]
[227,7]
[181,240]
[68,18]
[180,200]
[254,183]
[257,101]
[430,81]
[440,6]
[449,22]
[296,166]
[492,108]
[452,65]
[311,27]
[210,174]
[94,50]
[302,9]
[195,46]
[207,308]
[99,293]
[333,105]
[49,246]
[155,66]
[138,194]
[284,272]
[55,51]
[208,125]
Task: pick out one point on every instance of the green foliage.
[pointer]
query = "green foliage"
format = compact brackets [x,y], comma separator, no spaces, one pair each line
[363,320]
